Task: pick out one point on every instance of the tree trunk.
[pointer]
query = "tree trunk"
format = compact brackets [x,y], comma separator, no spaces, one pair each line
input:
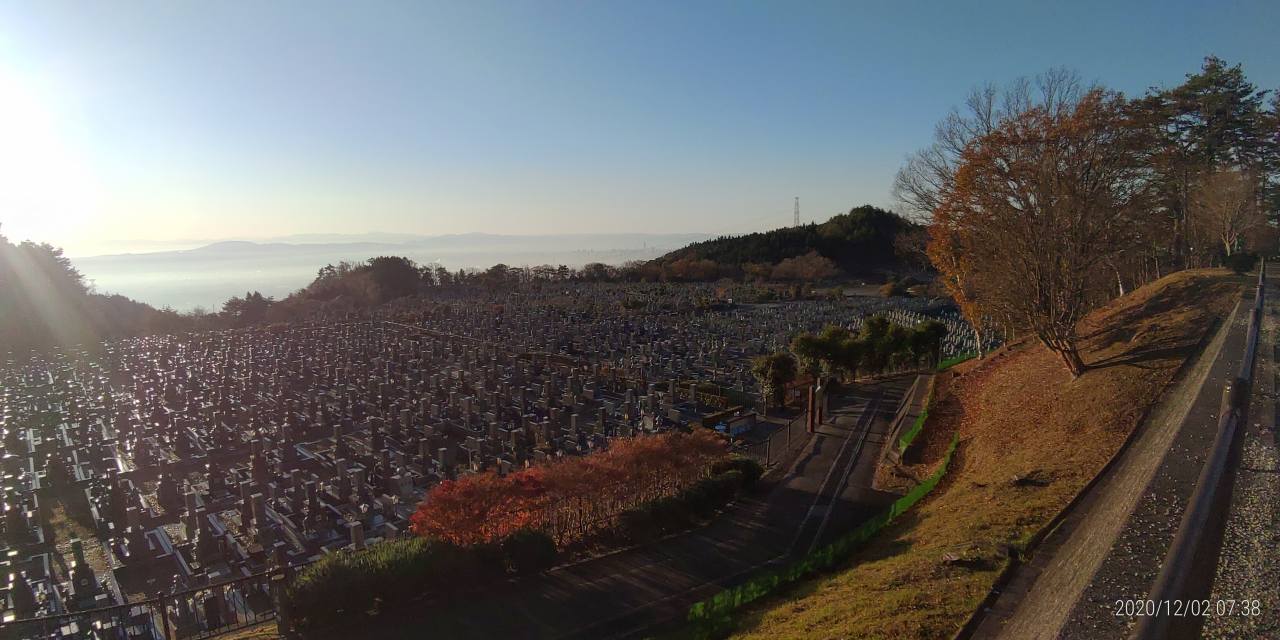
[1066,349]
[1071,357]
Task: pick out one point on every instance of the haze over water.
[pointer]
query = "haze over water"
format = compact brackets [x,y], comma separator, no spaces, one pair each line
[207,276]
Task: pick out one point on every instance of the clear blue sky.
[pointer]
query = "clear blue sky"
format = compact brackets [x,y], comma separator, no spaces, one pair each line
[125,125]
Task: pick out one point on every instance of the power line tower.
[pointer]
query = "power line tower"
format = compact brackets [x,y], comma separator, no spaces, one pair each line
[797,211]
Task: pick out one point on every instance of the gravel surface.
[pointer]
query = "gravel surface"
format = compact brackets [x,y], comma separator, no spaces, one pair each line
[1249,564]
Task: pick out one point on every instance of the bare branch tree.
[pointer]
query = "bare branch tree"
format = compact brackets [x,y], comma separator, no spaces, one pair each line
[1224,207]
[930,172]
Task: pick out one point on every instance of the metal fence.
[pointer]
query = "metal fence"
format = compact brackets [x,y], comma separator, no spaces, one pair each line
[203,612]
[779,444]
[136,621]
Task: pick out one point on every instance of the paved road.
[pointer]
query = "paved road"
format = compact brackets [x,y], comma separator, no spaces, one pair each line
[1111,546]
[826,492]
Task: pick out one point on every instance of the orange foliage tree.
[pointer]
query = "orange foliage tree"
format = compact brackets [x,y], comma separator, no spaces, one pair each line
[1039,207]
[571,498]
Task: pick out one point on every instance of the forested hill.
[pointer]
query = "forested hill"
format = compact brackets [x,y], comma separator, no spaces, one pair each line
[861,241]
[44,302]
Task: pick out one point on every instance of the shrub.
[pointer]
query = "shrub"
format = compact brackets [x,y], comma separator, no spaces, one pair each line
[671,514]
[750,469]
[700,499]
[719,489]
[1240,262]
[678,512]
[346,584]
[638,525]
[570,498]
[454,567]
[529,551]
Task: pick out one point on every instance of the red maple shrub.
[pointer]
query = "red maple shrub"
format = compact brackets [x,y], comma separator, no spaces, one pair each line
[571,498]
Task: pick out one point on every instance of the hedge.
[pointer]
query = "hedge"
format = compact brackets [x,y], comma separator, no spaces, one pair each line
[679,512]
[711,617]
[345,583]
[529,551]
[751,470]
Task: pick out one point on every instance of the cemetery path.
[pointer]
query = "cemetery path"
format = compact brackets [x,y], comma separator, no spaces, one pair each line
[826,492]
[1111,545]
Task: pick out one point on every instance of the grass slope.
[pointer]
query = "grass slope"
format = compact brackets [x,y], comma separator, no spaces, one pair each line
[1031,438]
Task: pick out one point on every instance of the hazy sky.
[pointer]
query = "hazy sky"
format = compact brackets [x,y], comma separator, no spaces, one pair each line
[136,125]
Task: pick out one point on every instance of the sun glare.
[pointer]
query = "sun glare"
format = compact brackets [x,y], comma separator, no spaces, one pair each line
[46,187]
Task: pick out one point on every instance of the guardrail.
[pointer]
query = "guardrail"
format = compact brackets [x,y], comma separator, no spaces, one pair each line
[1190,564]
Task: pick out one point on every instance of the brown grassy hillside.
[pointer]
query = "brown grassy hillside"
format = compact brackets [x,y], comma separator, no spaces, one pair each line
[1031,437]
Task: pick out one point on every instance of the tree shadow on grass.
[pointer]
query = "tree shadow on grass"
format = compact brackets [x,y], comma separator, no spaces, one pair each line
[1120,326]
[1161,350]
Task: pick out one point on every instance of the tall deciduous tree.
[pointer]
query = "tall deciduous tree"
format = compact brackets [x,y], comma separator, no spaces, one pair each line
[1225,206]
[1216,120]
[1037,207]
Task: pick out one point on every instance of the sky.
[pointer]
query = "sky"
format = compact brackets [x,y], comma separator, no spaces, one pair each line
[137,126]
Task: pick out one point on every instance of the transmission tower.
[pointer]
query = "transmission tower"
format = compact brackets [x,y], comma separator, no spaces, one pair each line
[797,211]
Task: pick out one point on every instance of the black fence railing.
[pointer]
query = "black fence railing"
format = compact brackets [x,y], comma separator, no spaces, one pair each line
[134,621]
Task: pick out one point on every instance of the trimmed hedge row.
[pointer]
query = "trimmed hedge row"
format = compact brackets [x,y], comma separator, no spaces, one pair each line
[711,617]
[344,585]
[680,512]
[905,440]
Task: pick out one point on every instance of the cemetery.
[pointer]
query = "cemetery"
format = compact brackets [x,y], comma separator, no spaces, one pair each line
[197,463]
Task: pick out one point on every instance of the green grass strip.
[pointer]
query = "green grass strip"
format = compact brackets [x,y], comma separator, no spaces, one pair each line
[911,434]
[711,616]
[954,360]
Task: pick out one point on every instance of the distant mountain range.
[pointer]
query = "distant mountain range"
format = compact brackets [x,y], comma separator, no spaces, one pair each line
[208,275]
[314,243]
